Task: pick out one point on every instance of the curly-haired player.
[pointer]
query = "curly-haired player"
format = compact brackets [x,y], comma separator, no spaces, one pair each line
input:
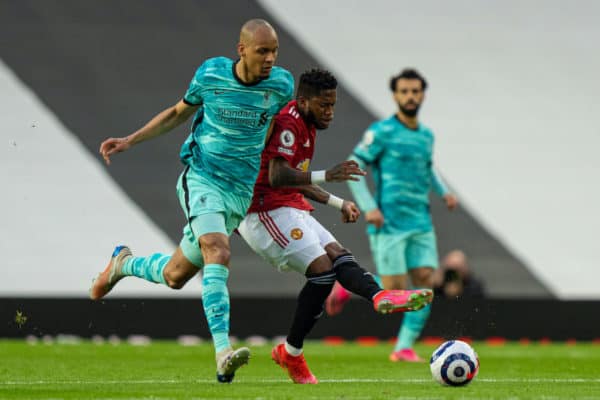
[279,226]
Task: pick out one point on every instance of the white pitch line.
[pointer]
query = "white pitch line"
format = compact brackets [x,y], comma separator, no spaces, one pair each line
[242,380]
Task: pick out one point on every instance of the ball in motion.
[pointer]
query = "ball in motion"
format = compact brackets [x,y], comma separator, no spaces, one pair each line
[454,363]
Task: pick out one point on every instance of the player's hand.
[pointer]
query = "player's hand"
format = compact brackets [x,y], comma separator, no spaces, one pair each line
[350,212]
[113,145]
[451,201]
[375,217]
[346,171]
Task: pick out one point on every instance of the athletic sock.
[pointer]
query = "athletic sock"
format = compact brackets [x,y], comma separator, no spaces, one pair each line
[354,278]
[215,299]
[291,350]
[149,268]
[309,306]
[412,325]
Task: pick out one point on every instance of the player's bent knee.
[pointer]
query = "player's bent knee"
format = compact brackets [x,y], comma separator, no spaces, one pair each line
[217,255]
[335,250]
[215,251]
[320,265]
[176,284]
[175,280]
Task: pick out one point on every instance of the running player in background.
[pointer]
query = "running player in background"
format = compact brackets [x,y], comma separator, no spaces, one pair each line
[279,226]
[233,103]
[399,151]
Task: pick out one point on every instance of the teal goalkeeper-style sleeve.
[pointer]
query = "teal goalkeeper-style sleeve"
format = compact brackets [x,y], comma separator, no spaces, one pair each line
[362,195]
[438,183]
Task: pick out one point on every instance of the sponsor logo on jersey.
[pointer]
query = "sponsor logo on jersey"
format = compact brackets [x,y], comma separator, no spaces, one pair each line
[296,233]
[285,151]
[235,117]
[287,138]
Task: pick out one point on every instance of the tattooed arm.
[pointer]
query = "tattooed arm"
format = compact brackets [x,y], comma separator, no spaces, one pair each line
[282,174]
[350,211]
[315,192]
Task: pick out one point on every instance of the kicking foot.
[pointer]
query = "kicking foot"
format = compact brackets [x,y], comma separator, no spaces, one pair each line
[295,365]
[336,300]
[408,355]
[390,301]
[111,274]
[229,362]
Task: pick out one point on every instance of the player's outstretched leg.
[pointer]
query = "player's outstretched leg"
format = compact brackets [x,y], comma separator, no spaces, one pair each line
[296,366]
[123,264]
[112,274]
[355,279]
[390,301]
[228,361]
[351,277]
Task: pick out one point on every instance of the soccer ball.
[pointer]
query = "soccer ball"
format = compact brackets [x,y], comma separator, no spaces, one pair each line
[454,363]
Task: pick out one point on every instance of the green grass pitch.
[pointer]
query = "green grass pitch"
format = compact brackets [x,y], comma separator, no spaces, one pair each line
[167,370]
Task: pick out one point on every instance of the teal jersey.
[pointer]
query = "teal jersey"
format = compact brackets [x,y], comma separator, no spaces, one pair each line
[401,161]
[229,128]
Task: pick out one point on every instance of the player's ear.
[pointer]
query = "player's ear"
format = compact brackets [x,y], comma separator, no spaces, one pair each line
[302,102]
[241,50]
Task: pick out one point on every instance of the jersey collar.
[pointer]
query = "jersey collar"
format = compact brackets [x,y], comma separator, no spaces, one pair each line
[237,78]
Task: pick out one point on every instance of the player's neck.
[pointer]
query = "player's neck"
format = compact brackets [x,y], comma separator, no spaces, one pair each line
[410,122]
[243,75]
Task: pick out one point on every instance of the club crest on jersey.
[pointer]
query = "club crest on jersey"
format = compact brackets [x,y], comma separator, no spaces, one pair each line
[296,233]
[287,138]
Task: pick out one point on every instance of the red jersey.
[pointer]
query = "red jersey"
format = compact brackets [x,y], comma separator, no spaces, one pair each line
[294,141]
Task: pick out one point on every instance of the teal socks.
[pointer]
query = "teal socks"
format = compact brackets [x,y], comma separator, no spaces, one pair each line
[215,299]
[412,325]
[148,268]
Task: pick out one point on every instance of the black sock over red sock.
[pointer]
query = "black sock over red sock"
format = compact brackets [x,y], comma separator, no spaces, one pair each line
[354,278]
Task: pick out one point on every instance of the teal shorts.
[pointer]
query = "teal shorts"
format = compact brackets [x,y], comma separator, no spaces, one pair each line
[208,209]
[395,254]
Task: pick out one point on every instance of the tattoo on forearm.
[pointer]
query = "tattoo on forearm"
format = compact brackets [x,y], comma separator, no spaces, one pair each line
[281,174]
[315,193]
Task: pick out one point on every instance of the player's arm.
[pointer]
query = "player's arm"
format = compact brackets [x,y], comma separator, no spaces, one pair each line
[282,174]
[163,122]
[361,193]
[350,211]
[366,153]
[440,187]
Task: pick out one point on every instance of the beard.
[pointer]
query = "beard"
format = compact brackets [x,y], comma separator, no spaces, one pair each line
[410,112]
[313,120]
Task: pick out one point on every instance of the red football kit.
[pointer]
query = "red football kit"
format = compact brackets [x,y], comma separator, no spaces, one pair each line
[294,141]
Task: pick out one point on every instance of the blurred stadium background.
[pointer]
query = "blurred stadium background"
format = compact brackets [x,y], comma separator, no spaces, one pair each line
[513,85]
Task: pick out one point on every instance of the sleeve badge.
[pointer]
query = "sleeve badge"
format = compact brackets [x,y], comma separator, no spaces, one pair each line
[287,138]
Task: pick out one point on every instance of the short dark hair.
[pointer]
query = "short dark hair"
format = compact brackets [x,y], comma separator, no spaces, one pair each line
[313,82]
[408,73]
